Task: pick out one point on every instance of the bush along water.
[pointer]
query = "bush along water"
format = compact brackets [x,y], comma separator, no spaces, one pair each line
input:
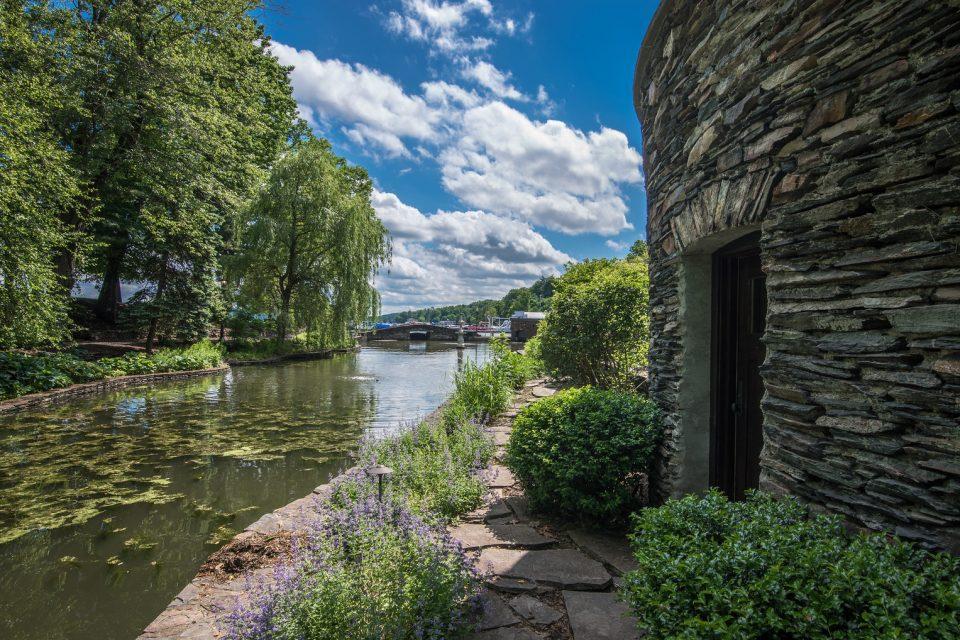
[763,568]
[370,570]
[585,453]
[22,373]
[373,569]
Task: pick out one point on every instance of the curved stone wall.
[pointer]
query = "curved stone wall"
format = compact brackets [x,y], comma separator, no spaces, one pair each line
[834,128]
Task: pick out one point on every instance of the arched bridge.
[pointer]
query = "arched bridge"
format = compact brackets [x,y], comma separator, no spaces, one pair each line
[419,331]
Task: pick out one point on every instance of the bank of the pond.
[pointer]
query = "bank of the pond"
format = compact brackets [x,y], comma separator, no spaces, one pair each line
[64,394]
[110,502]
[291,357]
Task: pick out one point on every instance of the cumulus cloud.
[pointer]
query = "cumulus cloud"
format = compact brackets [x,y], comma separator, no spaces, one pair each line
[491,78]
[458,256]
[548,173]
[375,107]
[440,23]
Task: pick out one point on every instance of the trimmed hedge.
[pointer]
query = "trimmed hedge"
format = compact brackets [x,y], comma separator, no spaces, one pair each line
[583,452]
[763,568]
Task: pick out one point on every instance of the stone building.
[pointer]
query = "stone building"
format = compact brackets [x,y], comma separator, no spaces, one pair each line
[802,161]
[524,324]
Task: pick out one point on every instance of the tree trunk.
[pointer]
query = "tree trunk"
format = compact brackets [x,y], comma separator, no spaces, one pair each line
[109,300]
[158,309]
[282,319]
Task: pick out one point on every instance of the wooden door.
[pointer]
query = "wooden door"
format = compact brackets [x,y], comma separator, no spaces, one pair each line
[739,318]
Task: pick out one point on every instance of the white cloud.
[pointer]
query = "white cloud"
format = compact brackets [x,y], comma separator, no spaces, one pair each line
[617,246]
[547,105]
[453,257]
[453,28]
[488,76]
[373,105]
[440,23]
[548,173]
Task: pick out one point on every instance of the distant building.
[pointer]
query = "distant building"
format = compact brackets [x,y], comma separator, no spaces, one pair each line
[523,325]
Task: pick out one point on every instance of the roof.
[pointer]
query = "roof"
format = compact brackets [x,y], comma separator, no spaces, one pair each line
[529,315]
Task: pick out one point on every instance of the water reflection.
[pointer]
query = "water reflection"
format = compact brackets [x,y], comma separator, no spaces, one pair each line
[108,504]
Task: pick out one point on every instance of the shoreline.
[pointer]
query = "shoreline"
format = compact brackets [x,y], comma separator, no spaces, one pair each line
[249,558]
[81,389]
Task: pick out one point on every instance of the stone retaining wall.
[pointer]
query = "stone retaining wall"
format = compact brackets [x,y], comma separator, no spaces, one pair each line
[53,396]
[834,128]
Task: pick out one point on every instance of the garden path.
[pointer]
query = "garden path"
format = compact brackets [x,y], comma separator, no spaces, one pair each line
[544,579]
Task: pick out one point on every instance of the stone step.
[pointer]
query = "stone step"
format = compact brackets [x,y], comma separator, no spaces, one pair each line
[599,616]
[562,568]
[480,536]
[612,550]
[501,477]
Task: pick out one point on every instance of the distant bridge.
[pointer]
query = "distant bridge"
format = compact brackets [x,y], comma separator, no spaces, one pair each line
[419,331]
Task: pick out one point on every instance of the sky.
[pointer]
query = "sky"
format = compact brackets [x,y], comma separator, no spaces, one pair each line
[500,135]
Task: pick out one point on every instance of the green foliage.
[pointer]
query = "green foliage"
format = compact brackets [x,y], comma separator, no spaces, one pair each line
[133,134]
[36,181]
[22,373]
[312,243]
[372,571]
[582,452]
[513,367]
[481,392]
[597,330]
[437,464]
[536,297]
[435,469]
[711,568]
[202,355]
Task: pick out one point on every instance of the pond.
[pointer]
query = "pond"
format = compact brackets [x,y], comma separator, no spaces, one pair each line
[109,504]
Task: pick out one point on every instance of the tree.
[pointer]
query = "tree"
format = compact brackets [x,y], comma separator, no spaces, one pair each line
[639,250]
[36,181]
[182,110]
[597,330]
[312,243]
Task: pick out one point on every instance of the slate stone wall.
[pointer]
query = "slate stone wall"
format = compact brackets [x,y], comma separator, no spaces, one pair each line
[835,126]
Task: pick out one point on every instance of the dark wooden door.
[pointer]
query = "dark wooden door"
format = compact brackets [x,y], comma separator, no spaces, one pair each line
[740,309]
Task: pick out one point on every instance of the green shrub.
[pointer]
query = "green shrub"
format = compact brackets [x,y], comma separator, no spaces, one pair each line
[597,330]
[371,571]
[711,568]
[583,452]
[479,393]
[435,468]
[515,368]
[22,373]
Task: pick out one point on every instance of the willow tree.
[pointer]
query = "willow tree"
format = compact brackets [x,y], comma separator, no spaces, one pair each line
[312,243]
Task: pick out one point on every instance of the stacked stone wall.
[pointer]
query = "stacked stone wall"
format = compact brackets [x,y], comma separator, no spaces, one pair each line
[835,127]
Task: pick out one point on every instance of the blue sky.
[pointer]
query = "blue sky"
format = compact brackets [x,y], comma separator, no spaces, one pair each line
[501,136]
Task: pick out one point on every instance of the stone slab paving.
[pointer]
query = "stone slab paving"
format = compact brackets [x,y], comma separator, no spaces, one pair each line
[496,613]
[612,550]
[563,592]
[599,616]
[501,477]
[479,536]
[564,568]
[535,611]
[507,633]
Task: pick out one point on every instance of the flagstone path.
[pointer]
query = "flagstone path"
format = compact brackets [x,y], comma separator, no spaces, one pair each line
[544,580]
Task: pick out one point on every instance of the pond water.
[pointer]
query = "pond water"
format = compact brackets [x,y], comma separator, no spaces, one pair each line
[109,504]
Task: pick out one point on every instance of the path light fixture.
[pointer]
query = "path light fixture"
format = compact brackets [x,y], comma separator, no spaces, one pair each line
[379,472]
